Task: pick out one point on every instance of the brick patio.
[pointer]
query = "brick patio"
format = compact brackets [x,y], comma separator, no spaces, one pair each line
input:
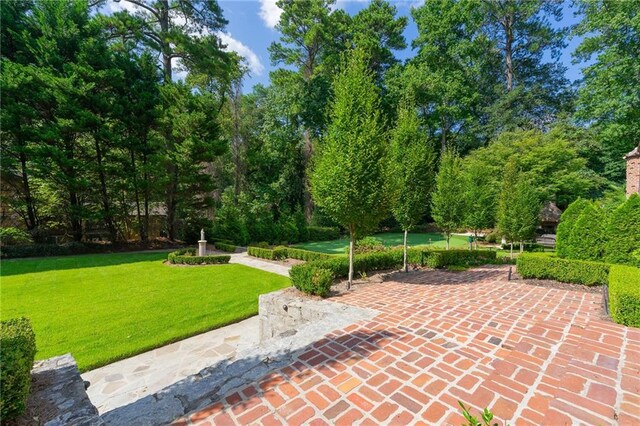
[534,355]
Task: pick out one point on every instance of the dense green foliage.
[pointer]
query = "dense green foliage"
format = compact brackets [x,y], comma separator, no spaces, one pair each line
[17,352]
[443,258]
[348,180]
[322,233]
[518,207]
[590,231]
[188,257]
[623,233]
[624,295]
[304,277]
[587,238]
[548,267]
[103,135]
[14,236]
[411,170]
[312,280]
[448,201]
[264,253]
[609,98]
[566,225]
[229,248]
[119,305]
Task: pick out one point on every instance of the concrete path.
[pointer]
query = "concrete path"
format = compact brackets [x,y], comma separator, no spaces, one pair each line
[254,262]
[131,379]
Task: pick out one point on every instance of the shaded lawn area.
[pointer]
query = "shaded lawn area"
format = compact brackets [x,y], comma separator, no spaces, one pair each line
[106,307]
[388,239]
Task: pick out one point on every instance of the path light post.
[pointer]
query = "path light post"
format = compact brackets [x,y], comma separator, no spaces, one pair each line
[202,244]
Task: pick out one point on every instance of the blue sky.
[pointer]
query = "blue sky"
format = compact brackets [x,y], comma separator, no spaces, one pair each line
[250,32]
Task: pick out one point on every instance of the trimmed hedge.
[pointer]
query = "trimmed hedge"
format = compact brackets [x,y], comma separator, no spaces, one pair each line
[623,233]
[301,276]
[312,280]
[442,258]
[229,248]
[306,255]
[587,238]
[624,295]
[567,223]
[322,233]
[263,253]
[188,257]
[43,250]
[543,266]
[17,352]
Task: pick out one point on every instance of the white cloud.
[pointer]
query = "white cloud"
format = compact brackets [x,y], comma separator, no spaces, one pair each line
[256,67]
[270,12]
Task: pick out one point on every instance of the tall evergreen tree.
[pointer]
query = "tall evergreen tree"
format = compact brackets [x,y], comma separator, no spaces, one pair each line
[348,179]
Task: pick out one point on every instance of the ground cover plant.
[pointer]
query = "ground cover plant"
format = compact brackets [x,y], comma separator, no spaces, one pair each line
[106,307]
[389,239]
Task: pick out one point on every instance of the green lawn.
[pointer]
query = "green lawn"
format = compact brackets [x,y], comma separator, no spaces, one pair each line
[388,239]
[110,306]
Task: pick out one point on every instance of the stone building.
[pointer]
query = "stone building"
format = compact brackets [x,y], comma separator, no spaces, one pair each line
[633,171]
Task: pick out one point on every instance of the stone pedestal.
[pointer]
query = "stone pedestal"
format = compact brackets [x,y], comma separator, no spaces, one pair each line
[202,248]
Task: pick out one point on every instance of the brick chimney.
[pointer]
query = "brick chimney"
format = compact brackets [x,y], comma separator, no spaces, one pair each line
[633,171]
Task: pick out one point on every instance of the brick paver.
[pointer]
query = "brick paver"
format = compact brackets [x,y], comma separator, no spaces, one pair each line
[534,355]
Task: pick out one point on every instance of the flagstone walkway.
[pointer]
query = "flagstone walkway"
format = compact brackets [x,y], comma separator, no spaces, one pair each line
[131,379]
[534,355]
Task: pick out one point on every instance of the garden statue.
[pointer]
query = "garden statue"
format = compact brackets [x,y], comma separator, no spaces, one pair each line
[202,244]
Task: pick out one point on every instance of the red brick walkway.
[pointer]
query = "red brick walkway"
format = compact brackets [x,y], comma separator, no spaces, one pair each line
[534,355]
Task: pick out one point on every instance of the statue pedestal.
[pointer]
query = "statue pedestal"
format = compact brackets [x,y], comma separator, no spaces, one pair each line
[202,248]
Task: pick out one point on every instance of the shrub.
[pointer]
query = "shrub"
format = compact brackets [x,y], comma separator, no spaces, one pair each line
[306,255]
[312,280]
[544,266]
[225,247]
[368,245]
[443,258]
[322,233]
[492,237]
[188,257]
[280,253]
[261,244]
[567,222]
[623,233]
[17,351]
[624,295]
[43,250]
[586,240]
[263,253]
[527,247]
[12,236]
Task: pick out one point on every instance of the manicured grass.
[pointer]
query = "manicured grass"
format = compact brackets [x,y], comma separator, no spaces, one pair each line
[388,239]
[106,307]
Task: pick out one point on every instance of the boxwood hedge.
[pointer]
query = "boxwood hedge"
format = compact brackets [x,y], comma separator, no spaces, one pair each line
[188,257]
[302,277]
[548,266]
[229,248]
[263,253]
[624,295]
[17,351]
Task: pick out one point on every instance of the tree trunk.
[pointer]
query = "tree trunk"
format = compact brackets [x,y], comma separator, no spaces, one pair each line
[145,176]
[136,191]
[307,151]
[521,246]
[475,238]
[31,221]
[508,51]
[351,248]
[171,200]
[405,265]
[511,251]
[106,205]
[448,238]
